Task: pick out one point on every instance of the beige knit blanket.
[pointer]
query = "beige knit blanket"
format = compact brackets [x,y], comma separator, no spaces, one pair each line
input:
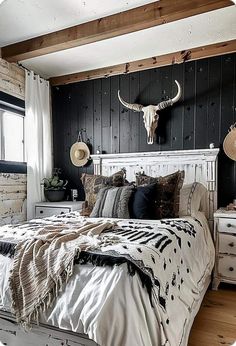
[41,265]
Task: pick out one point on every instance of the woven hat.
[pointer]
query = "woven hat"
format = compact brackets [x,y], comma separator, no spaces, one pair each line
[229,144]
[79,154]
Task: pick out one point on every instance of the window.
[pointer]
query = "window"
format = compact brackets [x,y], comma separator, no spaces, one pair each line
[12,136]
[12,111]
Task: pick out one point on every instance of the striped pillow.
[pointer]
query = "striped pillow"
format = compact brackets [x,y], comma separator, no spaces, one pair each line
[93,183]
[113,202]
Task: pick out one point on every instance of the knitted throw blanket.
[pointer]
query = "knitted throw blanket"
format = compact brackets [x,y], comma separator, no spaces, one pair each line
[44,262]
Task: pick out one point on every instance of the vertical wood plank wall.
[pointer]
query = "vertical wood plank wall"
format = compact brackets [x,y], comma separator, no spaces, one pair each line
[12,198]
[12,186]
[204,114]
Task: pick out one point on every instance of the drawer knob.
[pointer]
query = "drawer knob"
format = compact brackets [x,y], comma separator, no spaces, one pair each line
[231,244]
[231,269]
[62,212]
[229,225]
[41,211]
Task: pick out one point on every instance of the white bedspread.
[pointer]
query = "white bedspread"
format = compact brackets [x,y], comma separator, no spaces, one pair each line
[114,309]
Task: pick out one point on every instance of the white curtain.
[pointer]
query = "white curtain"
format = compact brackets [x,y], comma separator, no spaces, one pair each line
[38,137]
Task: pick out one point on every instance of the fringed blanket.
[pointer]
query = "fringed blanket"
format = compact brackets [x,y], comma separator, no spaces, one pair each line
[43,262]
[145,248]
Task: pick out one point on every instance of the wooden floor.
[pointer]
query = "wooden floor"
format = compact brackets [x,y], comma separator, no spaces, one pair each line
[215,324]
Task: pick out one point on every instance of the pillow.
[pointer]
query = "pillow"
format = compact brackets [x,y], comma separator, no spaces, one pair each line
[167,193]
[93,183]
[142,202]
[191,197]
[113,202]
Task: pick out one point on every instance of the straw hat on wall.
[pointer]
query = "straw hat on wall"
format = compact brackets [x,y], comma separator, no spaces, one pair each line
[79,154]
[229,144]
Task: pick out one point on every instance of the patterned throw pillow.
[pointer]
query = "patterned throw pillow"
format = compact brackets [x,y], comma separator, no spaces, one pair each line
[167,193]
[93,183]
[113,202]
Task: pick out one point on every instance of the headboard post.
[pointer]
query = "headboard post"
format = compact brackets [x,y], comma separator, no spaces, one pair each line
[97,164]
[199,165]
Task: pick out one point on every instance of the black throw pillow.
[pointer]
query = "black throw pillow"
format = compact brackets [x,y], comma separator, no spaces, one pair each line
[142,202]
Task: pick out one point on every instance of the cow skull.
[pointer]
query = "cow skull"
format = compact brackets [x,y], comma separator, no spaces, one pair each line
[150,113]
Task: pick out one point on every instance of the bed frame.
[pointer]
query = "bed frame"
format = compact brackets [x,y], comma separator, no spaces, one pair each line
[199,165]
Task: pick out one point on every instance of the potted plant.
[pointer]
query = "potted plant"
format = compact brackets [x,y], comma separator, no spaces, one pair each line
[54,187]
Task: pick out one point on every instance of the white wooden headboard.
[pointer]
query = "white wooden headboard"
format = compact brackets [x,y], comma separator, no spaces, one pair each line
[199,165]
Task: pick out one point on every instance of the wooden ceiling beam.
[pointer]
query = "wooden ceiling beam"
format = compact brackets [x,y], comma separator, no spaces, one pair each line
[157,61]
[147,16]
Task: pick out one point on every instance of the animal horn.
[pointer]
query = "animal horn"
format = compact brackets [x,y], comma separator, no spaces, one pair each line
[170,102]
[133,106]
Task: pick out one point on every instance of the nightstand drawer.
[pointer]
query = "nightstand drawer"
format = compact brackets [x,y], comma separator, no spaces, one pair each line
[227,225]
[227,243]
[47,211]
[227,266]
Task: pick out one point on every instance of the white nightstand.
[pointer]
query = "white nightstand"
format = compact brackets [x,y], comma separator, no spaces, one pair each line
[46,209]
[225,243]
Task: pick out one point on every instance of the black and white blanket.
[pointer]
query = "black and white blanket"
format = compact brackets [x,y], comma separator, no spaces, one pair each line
[171,258]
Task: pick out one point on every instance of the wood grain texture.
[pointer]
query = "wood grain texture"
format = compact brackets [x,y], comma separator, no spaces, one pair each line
[215,323]
[202,116]
[143,17]
[149,63]
[12,198]
[12,79]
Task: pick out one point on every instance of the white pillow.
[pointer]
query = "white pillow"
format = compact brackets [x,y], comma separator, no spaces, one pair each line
[191,197]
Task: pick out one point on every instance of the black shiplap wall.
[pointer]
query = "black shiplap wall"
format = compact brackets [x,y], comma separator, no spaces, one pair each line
[203,116]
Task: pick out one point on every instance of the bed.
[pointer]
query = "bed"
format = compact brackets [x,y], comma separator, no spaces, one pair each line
[109,307]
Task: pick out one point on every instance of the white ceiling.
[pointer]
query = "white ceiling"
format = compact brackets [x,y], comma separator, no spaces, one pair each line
[23,19]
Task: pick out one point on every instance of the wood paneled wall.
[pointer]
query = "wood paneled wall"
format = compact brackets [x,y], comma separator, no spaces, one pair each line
[203,116]
[12,79]
[12,198]
[12,186]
